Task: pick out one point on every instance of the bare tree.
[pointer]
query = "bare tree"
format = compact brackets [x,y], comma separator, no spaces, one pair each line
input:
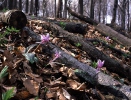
[44,6]
[31,7]
[36,7]
[114,12]
[92,9]
[26,6]
[20,4]
[80,5]
[65,9]
[59,11]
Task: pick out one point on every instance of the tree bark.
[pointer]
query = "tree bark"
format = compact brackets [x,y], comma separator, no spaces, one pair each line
[20,4]
[14,18]
[31,7]
[92,9]
[27,5]
[103,29]
[114,12]
[80,5]
[89,73]
[59,11]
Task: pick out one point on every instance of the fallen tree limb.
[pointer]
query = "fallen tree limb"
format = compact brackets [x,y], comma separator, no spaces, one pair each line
[92,75]
[111,64]
[108,46]
[103,29]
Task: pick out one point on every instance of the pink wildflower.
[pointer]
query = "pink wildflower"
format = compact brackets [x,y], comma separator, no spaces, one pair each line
[100,64]
[57,55]
[45,38]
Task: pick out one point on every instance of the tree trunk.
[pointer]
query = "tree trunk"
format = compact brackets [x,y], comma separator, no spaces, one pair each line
[114,12]
[36,7]
[65,9]
[44,6]
[80,5]
[100,11]
[27,5]
[92,9]
[59,11]
[123,14]
[20,4]
[10,4]
[31,7]
[14,4]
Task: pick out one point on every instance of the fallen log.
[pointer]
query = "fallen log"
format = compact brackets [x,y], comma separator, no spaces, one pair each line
[103,29]
[92,75]
[111,64]
[14,18]
[73,27]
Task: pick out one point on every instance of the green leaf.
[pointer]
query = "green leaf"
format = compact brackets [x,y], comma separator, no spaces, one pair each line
[30,57]
[8,94]
[3,72]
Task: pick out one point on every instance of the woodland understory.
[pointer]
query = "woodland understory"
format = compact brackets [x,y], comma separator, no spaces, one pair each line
[64,65]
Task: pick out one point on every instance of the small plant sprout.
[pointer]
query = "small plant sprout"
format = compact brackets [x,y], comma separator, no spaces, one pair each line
[100,64]
[44,39]
[57,55]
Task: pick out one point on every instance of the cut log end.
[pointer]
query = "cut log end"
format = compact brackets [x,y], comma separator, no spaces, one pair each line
[14,18]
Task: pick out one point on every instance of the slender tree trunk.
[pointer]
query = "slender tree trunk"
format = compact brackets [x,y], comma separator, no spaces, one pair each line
[80,5]
[100,11]
[14,4]
[114,12]
[44,6]
[4,3]
[123,13]
[128,12]
[20,4]
[65,9]
[36,7]
[92,9]
[31,7]
[27,5]
[10,4]
[59,11]
[55,8]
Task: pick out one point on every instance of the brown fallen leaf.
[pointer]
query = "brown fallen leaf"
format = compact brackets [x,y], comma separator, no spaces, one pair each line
[32,86]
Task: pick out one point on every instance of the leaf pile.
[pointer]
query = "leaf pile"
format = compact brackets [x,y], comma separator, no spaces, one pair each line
[34,75]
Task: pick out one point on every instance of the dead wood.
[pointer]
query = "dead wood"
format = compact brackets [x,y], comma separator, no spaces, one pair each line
[111,64]
[14,18]
[118,51]
[103,29]
[89,73]
[73,27]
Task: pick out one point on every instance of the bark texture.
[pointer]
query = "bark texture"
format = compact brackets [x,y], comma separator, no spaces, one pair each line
[89,73]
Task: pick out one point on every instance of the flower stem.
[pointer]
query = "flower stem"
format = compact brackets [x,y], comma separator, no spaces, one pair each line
[37,47]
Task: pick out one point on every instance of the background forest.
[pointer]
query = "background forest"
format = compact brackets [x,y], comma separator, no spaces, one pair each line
[116,12]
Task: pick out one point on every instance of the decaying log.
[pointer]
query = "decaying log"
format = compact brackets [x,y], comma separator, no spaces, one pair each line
[92,75]
[103,29]
[73,27]
[111,64]
[14,18]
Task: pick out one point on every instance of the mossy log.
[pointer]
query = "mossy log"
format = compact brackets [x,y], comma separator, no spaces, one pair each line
[14,18]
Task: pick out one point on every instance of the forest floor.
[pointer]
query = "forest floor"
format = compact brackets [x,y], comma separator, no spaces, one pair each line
[37,75]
